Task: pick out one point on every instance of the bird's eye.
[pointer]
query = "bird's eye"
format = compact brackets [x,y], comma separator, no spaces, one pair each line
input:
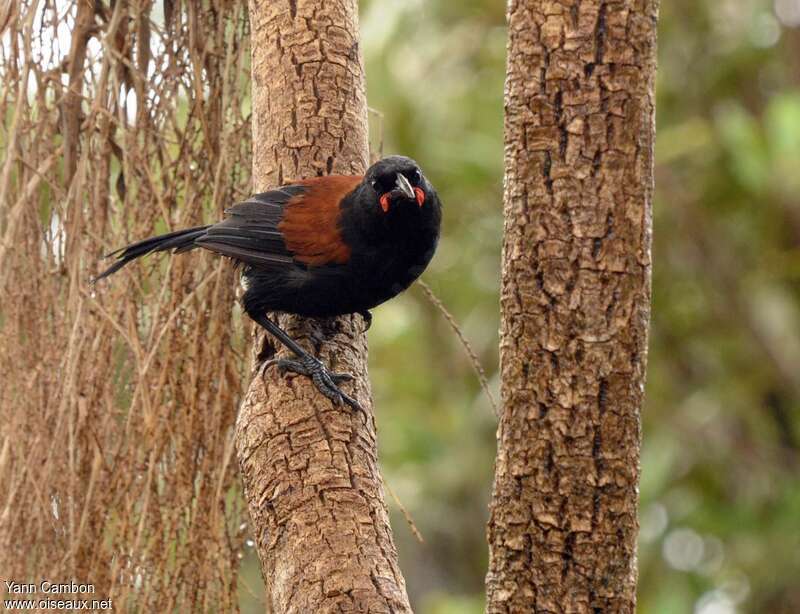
[374,184]
[416,177]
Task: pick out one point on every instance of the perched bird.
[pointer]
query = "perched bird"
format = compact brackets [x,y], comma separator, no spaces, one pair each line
[320,247]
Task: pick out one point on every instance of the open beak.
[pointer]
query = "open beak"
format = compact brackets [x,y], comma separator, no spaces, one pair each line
[402,184]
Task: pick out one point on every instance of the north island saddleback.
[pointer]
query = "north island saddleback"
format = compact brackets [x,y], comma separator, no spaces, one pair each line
[320,247]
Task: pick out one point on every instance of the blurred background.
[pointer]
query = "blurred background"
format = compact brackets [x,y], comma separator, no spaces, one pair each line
[720,506]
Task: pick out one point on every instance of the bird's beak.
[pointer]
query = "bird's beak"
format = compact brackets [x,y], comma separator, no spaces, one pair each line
[404,186]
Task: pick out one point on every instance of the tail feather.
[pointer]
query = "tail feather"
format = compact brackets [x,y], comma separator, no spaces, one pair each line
[180,241]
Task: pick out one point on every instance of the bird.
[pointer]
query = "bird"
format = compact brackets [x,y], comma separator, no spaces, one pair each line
[319,247]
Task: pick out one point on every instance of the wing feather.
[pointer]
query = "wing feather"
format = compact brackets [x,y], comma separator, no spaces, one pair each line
[250,232]
[297,224]
[310,225]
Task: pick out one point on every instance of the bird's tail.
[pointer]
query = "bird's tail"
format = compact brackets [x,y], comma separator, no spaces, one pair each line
[180,241]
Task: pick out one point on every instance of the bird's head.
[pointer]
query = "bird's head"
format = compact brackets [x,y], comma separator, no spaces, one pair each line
[398,182]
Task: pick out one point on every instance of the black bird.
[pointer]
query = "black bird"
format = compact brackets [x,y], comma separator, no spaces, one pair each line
[321,247]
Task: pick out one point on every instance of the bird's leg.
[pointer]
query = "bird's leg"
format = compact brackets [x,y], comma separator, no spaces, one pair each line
[306,364]
[367,319]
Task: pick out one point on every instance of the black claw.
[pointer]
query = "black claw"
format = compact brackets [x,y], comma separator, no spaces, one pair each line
[325,381]
[367,319]
[293,366]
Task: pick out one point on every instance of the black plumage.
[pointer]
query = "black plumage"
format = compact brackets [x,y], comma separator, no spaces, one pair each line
[321,247]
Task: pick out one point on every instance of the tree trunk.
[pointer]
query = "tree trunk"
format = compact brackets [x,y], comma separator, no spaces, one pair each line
[310,468]
[575,305]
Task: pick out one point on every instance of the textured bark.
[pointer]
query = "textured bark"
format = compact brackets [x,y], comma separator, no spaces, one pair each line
[575,305]
[310,468]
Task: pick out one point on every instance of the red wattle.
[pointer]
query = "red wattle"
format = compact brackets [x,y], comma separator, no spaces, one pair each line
[420,196]
[385,203]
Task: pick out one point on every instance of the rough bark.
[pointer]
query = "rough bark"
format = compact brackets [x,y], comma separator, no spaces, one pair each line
[310,468]
[575,305]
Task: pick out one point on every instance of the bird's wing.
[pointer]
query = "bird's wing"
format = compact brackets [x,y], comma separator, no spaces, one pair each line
[310,225]
[295,223]
[249,233]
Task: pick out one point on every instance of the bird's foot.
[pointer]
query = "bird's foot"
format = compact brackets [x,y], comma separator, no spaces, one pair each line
[326,381]
[367,319]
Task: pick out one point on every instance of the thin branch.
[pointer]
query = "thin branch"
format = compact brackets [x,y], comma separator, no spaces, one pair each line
[473,357]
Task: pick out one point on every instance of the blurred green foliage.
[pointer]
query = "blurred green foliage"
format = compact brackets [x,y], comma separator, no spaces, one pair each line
[435,70]
[720,506]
